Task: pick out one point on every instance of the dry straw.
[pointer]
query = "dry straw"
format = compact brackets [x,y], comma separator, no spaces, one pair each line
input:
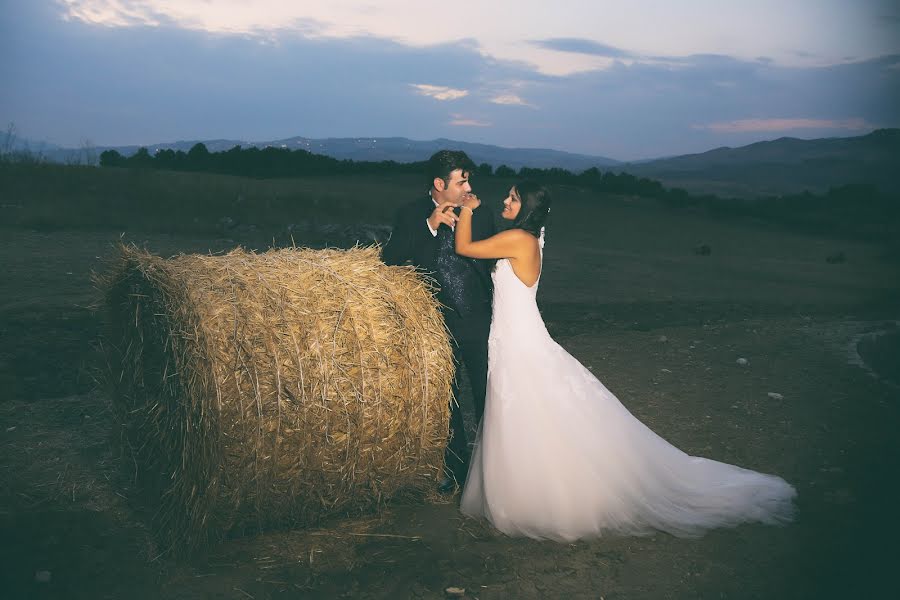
[265,390]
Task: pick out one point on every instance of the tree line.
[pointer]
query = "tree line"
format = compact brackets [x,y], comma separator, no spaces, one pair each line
[272,162]
[856,207]
[260,163]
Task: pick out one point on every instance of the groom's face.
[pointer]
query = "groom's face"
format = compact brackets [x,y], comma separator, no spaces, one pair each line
[454,189]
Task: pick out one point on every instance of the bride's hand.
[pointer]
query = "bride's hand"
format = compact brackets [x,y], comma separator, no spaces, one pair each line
[471,201]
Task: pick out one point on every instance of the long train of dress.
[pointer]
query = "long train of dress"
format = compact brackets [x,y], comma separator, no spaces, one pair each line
[557,456]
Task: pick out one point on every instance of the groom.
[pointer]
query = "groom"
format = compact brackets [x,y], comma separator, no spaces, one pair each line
[423,237]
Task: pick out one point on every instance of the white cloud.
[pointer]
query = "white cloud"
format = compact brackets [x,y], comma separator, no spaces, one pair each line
[827,32]
[773,125]
[462,121]
[110,13]
[510,100]
[438,92]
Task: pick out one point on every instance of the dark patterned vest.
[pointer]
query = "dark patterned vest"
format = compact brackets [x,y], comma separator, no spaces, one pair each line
[465,285]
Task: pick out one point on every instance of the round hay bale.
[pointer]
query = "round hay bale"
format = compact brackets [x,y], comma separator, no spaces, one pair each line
[265,390]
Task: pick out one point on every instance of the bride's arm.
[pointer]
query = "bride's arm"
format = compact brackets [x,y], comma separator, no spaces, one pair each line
[507,244]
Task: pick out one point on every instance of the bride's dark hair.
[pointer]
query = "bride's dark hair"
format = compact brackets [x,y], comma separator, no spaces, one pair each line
[535,207]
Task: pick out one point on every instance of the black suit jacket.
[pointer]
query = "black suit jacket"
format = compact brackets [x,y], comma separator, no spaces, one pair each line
[464,284]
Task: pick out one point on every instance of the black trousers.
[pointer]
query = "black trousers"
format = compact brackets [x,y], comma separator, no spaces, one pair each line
[470,349]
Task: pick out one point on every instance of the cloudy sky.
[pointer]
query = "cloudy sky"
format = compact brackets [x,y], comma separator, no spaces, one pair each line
[626,79]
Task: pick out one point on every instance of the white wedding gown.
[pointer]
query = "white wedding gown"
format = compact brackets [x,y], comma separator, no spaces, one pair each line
[557,456]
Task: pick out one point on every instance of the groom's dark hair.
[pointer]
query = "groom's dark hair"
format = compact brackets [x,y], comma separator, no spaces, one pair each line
[535,207]
[444,162]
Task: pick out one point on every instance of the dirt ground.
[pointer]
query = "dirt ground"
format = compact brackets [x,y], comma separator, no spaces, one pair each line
[663,328]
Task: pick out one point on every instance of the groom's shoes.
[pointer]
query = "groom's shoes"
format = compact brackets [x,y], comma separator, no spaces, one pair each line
[446,486]
[456,468]
[453,480]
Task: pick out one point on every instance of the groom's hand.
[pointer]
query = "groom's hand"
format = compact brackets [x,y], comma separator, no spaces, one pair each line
[443,213]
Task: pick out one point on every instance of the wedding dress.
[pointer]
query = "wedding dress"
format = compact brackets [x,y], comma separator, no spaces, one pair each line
[557,456]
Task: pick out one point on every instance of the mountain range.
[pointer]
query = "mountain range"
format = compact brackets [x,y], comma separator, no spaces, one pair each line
[782,166]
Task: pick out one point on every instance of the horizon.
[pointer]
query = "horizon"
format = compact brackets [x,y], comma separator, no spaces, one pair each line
[152,147]
[593,81]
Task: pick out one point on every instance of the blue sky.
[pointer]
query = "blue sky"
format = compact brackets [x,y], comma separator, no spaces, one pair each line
[623,79]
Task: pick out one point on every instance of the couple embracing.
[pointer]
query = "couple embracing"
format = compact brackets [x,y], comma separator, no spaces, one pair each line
[556,455]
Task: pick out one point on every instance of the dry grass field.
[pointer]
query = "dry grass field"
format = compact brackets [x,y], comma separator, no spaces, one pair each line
[623,290]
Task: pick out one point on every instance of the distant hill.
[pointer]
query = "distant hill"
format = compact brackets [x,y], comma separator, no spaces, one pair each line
[398,149]
[405,150]
[778,167]
[783,166]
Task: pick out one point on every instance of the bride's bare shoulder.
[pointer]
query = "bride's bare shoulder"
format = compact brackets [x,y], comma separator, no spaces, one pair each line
[526,246]
[521,236]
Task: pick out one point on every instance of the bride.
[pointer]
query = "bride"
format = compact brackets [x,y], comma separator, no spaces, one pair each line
[557,456]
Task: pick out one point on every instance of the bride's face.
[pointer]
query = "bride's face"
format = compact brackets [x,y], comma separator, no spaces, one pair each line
[512,205]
